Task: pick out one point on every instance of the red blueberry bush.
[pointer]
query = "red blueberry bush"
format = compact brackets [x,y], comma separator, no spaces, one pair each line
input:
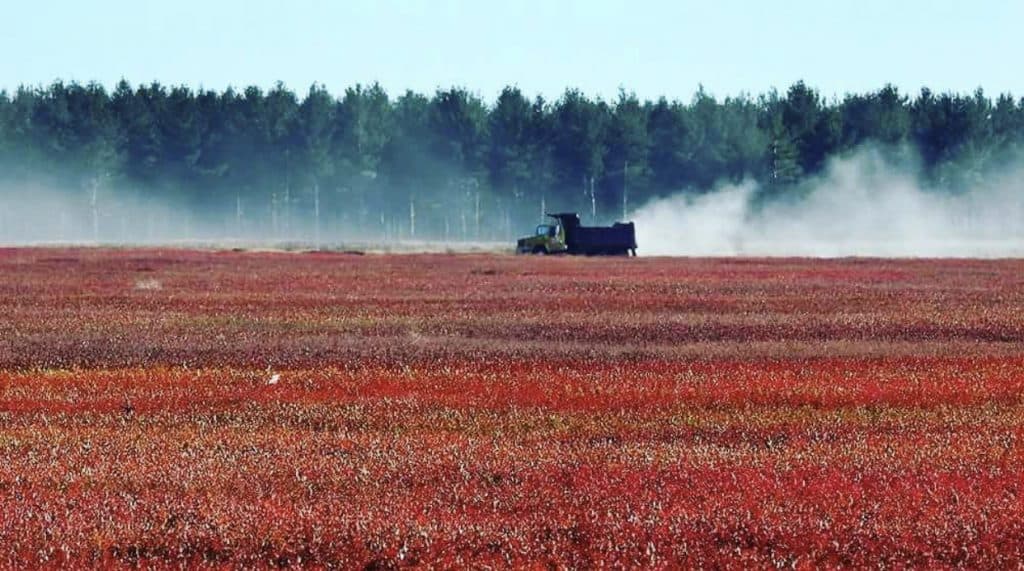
[453,411]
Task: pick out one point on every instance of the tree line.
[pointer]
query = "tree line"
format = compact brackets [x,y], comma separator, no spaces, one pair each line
[367,165]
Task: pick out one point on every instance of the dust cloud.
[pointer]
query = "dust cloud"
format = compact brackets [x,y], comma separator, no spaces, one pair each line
[865,204]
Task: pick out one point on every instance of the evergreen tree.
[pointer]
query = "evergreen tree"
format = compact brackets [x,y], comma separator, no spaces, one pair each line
[315,127]
[365,127]
[628,150]
[578,148]
[667,130]
[510,156]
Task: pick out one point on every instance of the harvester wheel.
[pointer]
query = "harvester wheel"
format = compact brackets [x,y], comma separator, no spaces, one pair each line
[540,251]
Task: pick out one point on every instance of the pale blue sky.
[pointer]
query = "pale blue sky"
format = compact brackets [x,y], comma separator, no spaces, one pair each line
[652,47]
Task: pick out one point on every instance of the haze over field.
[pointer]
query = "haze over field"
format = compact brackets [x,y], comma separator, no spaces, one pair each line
[869,203]
[865,204]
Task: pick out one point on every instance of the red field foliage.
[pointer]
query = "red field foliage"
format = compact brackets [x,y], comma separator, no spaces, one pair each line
[475,410]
